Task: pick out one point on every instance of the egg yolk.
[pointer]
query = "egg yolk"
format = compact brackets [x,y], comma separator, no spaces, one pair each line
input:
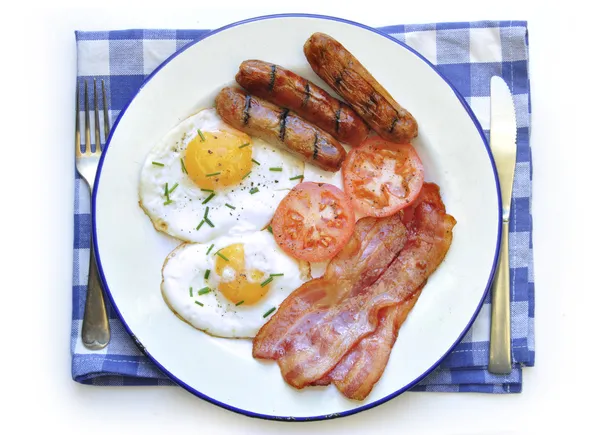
[218,159]
[238,284]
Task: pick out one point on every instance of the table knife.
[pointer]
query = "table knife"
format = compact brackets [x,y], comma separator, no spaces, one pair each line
[503,142]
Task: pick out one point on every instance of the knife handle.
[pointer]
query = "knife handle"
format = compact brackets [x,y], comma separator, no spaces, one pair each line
[500,348]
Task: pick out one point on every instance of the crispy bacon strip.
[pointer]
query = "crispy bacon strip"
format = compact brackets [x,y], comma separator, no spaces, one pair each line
[372,247]
[318,342]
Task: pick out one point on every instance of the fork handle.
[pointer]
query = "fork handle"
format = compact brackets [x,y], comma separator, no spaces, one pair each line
[500,352]
[96,330]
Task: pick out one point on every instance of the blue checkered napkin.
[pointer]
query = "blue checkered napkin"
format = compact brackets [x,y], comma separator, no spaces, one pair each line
[468,54]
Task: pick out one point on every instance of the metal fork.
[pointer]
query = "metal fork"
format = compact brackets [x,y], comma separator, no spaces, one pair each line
[96,330]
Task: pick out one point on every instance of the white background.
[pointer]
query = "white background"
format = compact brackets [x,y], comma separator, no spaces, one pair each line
[36,169]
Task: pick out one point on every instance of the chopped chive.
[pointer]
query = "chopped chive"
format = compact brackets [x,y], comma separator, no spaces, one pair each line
[246,175]
[211,196]
[277,274]
[203,291]
[210,249]
[244,146]
[209,222]
[213,174]
[199,303]
[265,282]
[297,177]
[222,256]
[206,213]
[270,229]
[183,169]
[173,188]
[167,202]
[207,190]
[200,225]
[201,135]
[158,164]
[167,190]
[191,294]
[276,169]
[253,190]
[239,303]
[256,162]
[230,206]
[207,274]
[268,312]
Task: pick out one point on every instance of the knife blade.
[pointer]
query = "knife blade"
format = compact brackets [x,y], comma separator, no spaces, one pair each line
[503,143]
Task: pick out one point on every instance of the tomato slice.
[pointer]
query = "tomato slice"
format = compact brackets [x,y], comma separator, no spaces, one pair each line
[313,222]
[382,177]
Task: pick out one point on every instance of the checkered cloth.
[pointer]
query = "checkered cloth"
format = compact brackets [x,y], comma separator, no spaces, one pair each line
[468,54]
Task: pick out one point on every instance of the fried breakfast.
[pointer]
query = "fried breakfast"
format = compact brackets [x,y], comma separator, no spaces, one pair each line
[235,184]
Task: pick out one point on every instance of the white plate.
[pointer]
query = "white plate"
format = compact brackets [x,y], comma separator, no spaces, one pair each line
[131,253]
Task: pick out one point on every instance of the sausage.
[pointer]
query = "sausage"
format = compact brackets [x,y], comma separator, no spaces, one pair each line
[345,74]
[287,89]
[280,127]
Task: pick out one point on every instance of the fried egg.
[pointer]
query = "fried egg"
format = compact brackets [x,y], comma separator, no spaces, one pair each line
[230,286]
[205,179]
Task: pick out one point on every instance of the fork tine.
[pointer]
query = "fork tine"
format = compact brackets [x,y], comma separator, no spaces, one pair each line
[96,119]
[106,127]
[88,145]
[77,130]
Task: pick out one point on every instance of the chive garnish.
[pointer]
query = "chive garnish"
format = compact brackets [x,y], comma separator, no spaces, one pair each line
[277,274]
[206,213]
[210,249]
[296,177]
[191,294]
[173,188]
[200,225]
[199,303]
[239,303]
[213,174]
[167,202]
[222,256]
[201,135]
[244,146]
[203,291]
[276,169]
[167,190]
[268,312]
[253,190]
[183,168]
[209,222]
[230,206]
[207,190]
[211,196]
[265,282]
[158,164]
[256,162]
[270,229]
[207,274]
[246,175]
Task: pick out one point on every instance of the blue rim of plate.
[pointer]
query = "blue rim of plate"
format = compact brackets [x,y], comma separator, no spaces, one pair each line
[292,418]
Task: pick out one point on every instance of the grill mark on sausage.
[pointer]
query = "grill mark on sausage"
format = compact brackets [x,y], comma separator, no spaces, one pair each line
[306,94]
[282,121]
[338,79]
[316,146]
[246,114]
[272,77]
[393,124]
[337,117]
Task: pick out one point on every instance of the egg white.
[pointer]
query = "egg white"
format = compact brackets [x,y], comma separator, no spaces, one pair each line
[181,218]
[186,266]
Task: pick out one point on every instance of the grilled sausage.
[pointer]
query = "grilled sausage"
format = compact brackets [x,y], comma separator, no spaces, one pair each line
[345,74]
[279,127]
[287,89]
